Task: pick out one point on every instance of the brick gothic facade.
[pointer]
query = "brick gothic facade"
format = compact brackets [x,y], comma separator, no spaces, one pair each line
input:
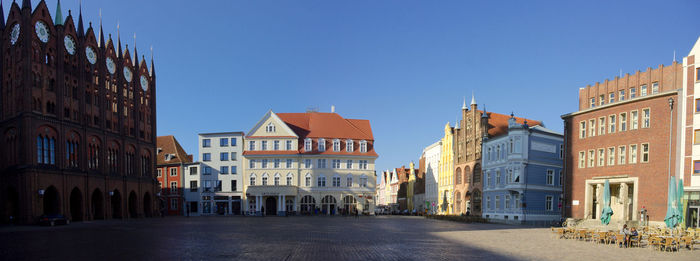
[621,133]
[77,120]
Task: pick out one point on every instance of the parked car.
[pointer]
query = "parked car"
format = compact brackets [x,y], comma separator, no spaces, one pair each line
[52,220]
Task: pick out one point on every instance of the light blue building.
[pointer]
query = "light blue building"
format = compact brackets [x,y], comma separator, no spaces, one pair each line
[523,175]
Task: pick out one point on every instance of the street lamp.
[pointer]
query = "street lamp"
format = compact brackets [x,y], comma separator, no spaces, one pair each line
[41,192]
[670,135]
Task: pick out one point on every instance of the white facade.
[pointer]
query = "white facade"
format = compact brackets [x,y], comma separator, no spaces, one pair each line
[432,160]
[221,171]
[192,191]
[691,88]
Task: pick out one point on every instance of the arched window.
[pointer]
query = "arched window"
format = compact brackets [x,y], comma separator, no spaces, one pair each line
[458,201]
[308,204]
[290,176]
[264,179]
[336,145]
[458,176]
[476,176]
[349,204]
[252,179]
[349,145]
[321,181]
[349,180]
[321,144]
[277,179]
[307,145]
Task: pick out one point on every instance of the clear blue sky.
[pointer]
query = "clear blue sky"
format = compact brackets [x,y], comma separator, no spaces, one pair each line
[404,65]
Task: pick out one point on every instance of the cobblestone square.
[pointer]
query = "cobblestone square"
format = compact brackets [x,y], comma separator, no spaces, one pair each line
[303,238]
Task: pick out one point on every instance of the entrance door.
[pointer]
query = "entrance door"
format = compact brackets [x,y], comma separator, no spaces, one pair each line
[692,219]
[271,206]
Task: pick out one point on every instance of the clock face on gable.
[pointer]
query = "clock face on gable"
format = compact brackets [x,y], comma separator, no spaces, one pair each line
[70,44]
[144,83]
[15,34]
[111,67]
[127,74]
[42,31]
[91,55]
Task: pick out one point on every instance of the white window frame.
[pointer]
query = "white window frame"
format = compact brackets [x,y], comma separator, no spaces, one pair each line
[581,159]
[348,180]
[336,145]
[321,144]
[646,118]
[634,120]
[264,179]
[633,154]
[622,155]
[581,132]
[307,180]
[612,123]
[251,164]
[276,145]
[288,145]
[611,156]
[591,158]
[550,177]
[621,97]
[643,90]
[289,163]
[290,179]
[349,145]
[623,121]
[363,146]
[321,181]
[277,179]
[252,180]
[601,157]
[601,125]
[348,164]
[308,145]
[591,128]
[645,153]
[549,203]
[251,145]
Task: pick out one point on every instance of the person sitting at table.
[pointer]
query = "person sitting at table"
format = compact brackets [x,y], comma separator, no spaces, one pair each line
[632,233]
[624,231]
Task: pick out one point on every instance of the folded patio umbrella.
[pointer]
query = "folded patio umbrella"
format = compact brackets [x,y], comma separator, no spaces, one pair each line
[672,216]
[681,206]
[607,211]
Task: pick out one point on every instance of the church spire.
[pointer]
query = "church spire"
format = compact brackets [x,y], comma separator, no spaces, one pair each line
[101,35]
[81,31]
[119,42]
[473,99]
[59,14]
[2,17]
[153,69]
[464,103]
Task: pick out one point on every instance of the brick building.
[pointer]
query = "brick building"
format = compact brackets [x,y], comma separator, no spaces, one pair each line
[170,167]
[621,133]
[78,119]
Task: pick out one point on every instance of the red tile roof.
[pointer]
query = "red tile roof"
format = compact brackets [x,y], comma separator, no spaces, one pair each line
[498,123]
[169,145]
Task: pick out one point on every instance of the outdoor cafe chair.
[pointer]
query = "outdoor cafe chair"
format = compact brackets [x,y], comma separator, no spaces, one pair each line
[688,242]
[636,240]
[620,239]
[670,244]
[655,242]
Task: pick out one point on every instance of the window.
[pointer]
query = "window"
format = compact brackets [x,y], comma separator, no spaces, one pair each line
[634,120]
[349,145]
[549,203]
[507,204]
[363,146]
[263,145]
[321,145]
[289,164]
[601,125]
[655,87]
[335,164]
[582,130]
[348,165]
[173,185]
[307,163]
[193,186]
[160,174]
[193,170]
[697,74]
[363,181]
[622,158]
[633,92]
[643,90]
[264,163]
[307,144]
[207,171]
[173,172]
[561,151]
[646,115]
[561,178]
[277,179]
[207,185]
[270,128]
[336,181]
[517,200]
[611,127]
[206,143]
[288,145]
[218,186]
[234,186]
[550,177]
[252,180]
[591,126]
[276,145]
[581,159]
[592,102]
[277,163]
[488,179]
[601,100]
[488,202]
[363,164]
[321,181]
[223,170]
[264,180]
[612,97]
[307,180]
[621,97]
[206,156]
[611,156]
[696,137]
[251,164]
[234,170]
[223,156]
[336,145]
[289,179]
[233,142]
[697,105]
[498,202]
[233,156]
[645,153]
[601,157]
[321,163]
[633,153]
[696,167]
[591,158]
[349,181]
[251,145]
[623,121]
[223,142]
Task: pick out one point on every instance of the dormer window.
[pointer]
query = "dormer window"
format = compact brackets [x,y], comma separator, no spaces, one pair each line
[307,144]
[168,157]
[336,145]
[363,146]
[321,144]
[270,128]
[349,145]
[159,150]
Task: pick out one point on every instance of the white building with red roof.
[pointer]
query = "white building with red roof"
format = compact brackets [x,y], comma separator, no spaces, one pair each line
[309,163]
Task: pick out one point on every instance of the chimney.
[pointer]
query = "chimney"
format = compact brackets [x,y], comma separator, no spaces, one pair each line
[332,108]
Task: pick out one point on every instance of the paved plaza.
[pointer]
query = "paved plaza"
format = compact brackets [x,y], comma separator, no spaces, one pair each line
[303,238]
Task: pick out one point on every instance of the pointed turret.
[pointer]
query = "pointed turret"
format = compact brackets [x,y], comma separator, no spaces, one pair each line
[27,4]
[2,17]
[81,31]
[101,35]
[464,103]
[59,14]
[473,100]
[153,68]
[136,59]
[119,43]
